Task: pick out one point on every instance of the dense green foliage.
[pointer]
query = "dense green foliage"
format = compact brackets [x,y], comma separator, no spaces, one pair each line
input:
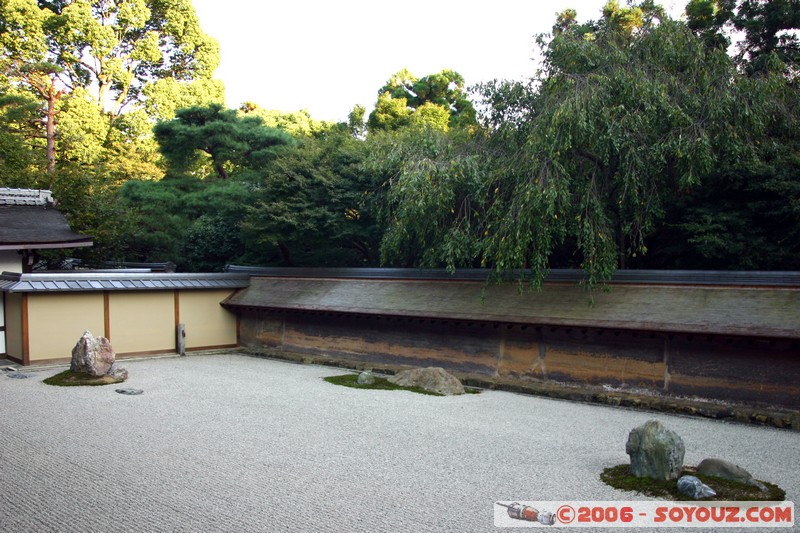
[184,220]
[746,213]
[81,84]
[314,207]
[302,202]
[438,100]
[620,127]
[230,141]
[641,142]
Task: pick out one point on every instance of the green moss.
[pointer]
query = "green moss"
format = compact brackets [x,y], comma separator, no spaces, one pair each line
[68,378]
[620,477]
[351,380]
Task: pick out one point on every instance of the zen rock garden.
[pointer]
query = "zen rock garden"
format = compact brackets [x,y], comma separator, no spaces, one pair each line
[657,454]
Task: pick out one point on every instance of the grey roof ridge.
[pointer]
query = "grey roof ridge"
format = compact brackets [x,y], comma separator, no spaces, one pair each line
[564,275]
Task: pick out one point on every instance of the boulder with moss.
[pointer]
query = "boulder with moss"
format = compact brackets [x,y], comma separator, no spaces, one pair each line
[95,357]
[655,451]
[434,379]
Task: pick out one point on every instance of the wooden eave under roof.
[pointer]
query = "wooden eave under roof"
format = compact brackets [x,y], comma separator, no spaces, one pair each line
[760,311]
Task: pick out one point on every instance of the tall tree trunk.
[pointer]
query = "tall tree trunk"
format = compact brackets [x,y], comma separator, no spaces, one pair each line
[623,255]
[364,249]
[287,257]
[221,171]
[102,91]
[45,85]
[50,135]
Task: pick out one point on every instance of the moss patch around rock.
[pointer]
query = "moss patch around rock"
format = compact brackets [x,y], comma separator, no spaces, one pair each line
[68,378]
[620,477]
[351,380]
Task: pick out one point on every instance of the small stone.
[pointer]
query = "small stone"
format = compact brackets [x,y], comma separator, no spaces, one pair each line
[117,372]
[694,488]
[365,378]
[434,379]
[655,451]
[130,392]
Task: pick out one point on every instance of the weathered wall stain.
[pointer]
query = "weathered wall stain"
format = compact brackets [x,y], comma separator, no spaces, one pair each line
[707,366]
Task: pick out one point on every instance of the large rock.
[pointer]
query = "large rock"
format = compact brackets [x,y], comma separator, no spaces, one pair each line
[92,355]
[434,379]
[655,451]
[727,470]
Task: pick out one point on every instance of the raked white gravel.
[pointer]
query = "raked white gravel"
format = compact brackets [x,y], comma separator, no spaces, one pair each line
[229,442]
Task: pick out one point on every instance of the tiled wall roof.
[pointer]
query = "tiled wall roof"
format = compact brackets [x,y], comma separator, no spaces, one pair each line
[729,310]
[125,281]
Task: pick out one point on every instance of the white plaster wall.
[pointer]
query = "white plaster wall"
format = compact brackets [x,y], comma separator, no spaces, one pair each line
[10,261]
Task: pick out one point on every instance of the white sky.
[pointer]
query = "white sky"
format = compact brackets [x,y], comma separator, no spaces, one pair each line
[328,55]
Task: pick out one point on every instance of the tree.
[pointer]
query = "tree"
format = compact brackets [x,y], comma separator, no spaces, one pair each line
[23,37]
[622,124]
[628,113]
[390,113]
[356,123]
[404,94]
[746,213]
[121,51]
[297,123]
[769,28]
[434,197]
[192,222]
[165,96]
[125,45]
[431,115]
[315,206]
[19,158]
[622,21]
[226,137]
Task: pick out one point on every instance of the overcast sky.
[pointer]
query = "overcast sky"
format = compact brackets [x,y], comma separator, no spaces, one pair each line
[327,56]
